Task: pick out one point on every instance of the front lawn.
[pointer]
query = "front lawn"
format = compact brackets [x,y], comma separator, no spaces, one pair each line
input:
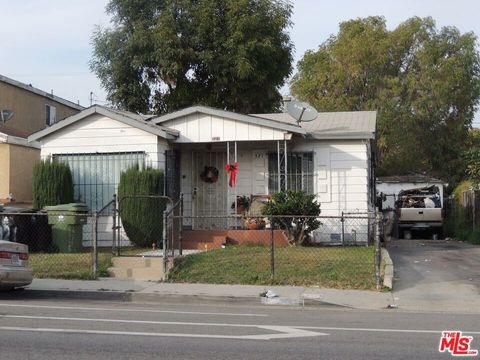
[68,266]
[333,267]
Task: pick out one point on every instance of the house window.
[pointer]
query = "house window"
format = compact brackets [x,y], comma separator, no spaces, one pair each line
[96,176]
[299,168]
[50,114]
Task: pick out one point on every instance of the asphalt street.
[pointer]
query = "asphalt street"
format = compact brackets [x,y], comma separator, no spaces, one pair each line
[61,329]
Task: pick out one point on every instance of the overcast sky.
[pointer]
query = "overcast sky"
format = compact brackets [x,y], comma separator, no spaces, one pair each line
[47,43]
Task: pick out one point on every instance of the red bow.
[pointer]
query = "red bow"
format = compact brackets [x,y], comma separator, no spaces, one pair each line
[232,169]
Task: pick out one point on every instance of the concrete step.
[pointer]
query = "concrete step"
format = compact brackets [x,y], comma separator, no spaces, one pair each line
[145,274]
[213,242]
[137,262]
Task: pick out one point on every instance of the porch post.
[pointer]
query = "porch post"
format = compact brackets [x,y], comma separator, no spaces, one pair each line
[286,165]
[279,185]
[235,189]
[228,187]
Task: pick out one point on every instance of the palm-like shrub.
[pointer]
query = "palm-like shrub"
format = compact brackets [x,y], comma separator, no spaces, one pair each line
[295,212]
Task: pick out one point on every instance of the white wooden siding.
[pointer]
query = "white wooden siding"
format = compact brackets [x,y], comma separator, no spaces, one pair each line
[341,174]
[198,128]
[101,134]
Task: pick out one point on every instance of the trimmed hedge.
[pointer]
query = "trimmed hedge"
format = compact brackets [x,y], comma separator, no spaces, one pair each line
[52,184]
[142,218]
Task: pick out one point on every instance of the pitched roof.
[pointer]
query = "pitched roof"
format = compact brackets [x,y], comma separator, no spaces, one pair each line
[15,137]
[333,125]
[249,119]
[132,119]
[12,132]
[410,178]
[40,92]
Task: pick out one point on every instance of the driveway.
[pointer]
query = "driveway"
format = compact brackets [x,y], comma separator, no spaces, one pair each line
[436,275]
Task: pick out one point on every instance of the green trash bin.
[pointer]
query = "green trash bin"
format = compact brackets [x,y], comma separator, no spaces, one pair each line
[67,222]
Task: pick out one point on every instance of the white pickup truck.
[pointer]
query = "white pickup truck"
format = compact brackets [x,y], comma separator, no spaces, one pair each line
[419,209]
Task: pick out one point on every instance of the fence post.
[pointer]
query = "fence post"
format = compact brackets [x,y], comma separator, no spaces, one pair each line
[272,250]
[115,247]
[343,229]
[95,247]
[474,211]
[378,254]
[164,245]
[180,226]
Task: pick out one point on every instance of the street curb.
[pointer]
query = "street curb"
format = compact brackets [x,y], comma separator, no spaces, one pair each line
[19,294]
[138,297]
[388,269]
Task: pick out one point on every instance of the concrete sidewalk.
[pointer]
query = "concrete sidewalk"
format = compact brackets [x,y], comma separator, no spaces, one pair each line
[143,291]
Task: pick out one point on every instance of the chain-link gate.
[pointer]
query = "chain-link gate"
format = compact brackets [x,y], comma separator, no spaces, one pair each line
[147,222]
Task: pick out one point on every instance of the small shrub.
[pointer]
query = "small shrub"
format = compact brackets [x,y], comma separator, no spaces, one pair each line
[301,210]
[52,184]
[142,218]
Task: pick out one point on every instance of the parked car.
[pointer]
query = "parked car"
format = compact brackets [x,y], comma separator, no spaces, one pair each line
[419,209]
[14,270]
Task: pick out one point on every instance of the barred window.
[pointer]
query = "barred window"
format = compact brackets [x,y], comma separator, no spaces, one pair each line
[299,168]
[96,176]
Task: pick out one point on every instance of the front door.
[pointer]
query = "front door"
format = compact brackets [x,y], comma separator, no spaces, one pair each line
[209,183]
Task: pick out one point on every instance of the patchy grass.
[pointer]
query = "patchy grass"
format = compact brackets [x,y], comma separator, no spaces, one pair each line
[333,267]
[76,265]
[68,266]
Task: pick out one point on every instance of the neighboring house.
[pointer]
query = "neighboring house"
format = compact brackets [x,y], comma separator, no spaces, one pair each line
[24,110]
[31,109]
[17,157]
[332,156]
[390,186]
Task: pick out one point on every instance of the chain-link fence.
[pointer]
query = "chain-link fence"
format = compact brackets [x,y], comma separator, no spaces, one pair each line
[341,251]
[330,251]
[61,244]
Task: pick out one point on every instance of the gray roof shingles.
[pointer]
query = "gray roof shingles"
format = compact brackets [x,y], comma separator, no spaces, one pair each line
[347,124]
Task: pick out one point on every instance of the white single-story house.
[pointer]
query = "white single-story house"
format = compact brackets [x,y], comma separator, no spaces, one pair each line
[331,157]
[390,186]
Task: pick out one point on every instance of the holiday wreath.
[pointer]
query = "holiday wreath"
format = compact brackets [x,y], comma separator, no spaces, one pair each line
[209,174]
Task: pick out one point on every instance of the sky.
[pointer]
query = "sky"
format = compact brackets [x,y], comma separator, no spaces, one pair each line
[47,43]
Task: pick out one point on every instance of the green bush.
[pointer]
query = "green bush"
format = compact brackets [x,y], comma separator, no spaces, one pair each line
[142,217]
[458,223]
[301,210]
[52,184]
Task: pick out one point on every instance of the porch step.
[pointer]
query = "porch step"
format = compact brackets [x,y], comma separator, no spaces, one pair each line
[203,242]
[138,268]
[137,262]
[213,239]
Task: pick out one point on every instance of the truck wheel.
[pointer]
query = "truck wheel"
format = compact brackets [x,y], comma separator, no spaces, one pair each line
[400,233]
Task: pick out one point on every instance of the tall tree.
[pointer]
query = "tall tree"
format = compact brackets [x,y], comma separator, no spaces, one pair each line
[472,158]
[162,55]
[424,83]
